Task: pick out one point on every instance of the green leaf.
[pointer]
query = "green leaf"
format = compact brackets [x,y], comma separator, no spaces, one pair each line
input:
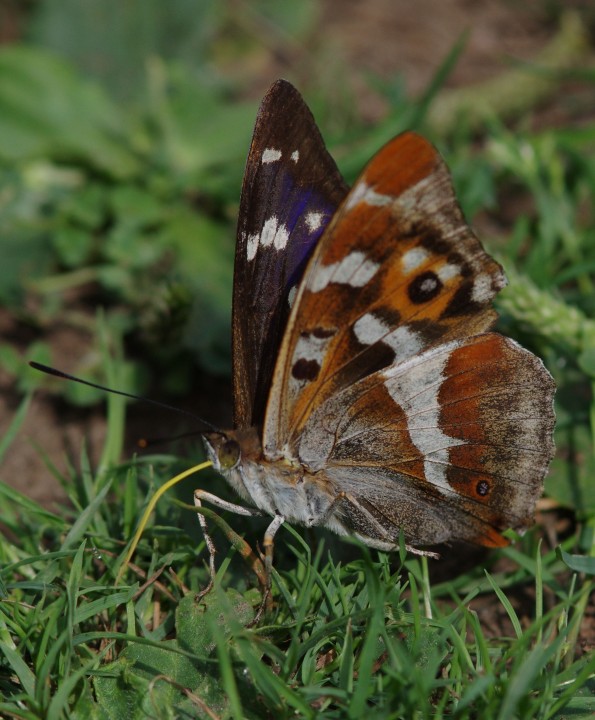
[577,563]
[572,484]
[15,425]
[149,679]
[197,622]
[72,245]
[78,121]
[586,361]
[197,129]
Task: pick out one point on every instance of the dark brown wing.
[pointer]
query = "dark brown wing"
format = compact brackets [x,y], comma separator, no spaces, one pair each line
[291,190]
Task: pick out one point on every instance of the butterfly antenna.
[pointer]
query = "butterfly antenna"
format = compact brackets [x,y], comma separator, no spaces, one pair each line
[150,442]
[66,376]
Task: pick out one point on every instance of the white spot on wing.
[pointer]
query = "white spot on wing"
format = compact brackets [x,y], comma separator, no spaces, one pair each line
[308,348]
[447,272]
[252,246]
[270,155]
[274,234]
[314,220]
[291,296]
[353,270]
[413,259]
[271,234]
[355,195]
[415,387]
[368,329]
[364,193]
[295,155]
[428,285]
[373,198]
[403,340]
[482,288]
[281,237]
[269,230]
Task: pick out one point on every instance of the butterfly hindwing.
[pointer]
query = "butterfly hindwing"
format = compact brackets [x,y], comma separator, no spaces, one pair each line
[291,190]
[451,445]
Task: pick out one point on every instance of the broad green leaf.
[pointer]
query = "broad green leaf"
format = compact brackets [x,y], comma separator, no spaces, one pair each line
[46,109]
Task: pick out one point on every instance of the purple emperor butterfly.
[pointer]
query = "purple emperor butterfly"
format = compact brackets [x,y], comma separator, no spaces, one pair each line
[370,396]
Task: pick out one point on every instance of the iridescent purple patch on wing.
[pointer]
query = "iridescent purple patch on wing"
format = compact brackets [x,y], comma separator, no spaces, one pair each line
[292,188]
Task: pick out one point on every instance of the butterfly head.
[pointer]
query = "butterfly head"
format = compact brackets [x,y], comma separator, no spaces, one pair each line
[223,451]
[226,450]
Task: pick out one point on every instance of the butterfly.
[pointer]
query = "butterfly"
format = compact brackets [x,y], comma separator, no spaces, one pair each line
[370,395]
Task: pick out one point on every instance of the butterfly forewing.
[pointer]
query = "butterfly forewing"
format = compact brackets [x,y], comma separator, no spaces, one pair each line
[291,190]
[396,272]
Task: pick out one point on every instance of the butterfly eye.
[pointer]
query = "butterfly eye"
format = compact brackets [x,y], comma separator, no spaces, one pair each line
[229,455]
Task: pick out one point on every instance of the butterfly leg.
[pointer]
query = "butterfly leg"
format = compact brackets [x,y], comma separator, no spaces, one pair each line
[199,497]
[384,541]
[268,546]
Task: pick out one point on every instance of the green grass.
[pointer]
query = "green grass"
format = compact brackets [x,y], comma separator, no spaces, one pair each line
[140,201]
[372,635]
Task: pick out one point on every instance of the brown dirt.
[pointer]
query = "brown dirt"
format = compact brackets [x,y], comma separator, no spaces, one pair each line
[386,37]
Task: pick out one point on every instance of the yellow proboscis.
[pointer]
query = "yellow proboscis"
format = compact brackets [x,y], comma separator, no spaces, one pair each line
[149,509]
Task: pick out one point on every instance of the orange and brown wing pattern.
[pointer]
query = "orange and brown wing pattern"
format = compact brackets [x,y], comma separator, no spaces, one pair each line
[397,272]
[451,445]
